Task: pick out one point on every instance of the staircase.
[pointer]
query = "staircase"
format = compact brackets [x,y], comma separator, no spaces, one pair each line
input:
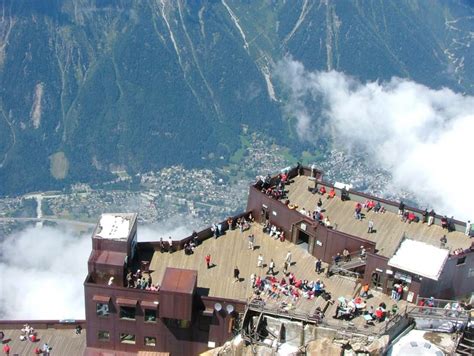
[466,344]
[347,268]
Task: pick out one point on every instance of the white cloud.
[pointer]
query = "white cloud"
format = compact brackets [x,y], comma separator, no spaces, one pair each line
[43,269]
[421,135]
[178,228]
[42,272]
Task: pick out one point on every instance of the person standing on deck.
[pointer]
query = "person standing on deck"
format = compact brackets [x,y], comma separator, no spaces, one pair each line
[371,227]
[253,278]
[170,243]
[271,267]
[468,228]
[288,258]
[401,208]
[318,266]
[208,261]
[251,241]
[260,261]
[431,217]
[424,215]
[236,274]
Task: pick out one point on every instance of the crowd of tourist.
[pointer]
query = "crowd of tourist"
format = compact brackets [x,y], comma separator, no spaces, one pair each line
[273,288]
[348,309]
[274,231]
[273,187]
[397,290]
[139,281]
[27,333]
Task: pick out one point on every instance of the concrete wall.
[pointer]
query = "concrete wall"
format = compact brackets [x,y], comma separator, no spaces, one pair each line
[456,280]
[325,242]
[189,341]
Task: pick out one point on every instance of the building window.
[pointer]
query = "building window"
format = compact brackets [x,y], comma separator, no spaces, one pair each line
[103,335]
[461,261]
[177,323]
[403,277]
[126,338]
[204,323]
[127,313]
[150,341]
[150,316]
[102,309]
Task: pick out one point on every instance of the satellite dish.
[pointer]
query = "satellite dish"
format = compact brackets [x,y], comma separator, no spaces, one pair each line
[229,308]
[218,307]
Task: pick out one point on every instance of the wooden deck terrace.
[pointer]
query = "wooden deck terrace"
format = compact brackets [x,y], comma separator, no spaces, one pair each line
[388,226]
[62,341]
[231,249]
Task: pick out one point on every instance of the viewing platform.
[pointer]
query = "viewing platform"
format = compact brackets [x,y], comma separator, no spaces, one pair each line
[231,249]
[389,228]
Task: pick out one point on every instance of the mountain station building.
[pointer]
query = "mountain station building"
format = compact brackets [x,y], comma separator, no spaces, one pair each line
[189,307]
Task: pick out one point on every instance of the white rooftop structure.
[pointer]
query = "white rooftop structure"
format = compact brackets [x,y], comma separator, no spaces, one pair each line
[420,258]
[114,226]
[414,343]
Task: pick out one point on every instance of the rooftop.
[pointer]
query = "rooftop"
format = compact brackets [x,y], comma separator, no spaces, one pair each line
[179,280]
[63,341]
[388,226]
[231,250]
[110,258]
[115,226]
[420,258]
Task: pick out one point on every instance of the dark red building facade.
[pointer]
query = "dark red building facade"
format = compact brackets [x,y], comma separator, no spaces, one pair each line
[175,319]
[179,320]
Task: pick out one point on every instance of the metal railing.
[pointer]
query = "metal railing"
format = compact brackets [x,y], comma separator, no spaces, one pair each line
[439,309]
[290,313]
[340,325]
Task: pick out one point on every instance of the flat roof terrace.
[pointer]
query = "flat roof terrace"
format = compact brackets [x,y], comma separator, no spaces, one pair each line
[62,341]
[388,226]
[231,250]
[115,226]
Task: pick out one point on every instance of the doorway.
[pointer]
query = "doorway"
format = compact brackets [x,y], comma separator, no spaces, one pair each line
[264,216]
[303,239]
[376,281]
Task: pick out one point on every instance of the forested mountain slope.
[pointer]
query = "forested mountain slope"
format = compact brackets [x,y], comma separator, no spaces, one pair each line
[87,86]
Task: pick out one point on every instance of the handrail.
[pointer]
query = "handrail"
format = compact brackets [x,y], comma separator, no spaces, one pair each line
[336,324]
[440,313]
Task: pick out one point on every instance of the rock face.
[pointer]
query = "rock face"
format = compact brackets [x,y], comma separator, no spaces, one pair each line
[323,346]
[148,84]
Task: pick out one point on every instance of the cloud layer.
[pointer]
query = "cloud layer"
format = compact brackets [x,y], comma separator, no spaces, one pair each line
[42,271]
[178,228]
[420,135]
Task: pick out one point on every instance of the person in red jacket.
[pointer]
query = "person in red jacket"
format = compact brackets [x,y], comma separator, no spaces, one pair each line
[332,193]
[208,260]
[6,349]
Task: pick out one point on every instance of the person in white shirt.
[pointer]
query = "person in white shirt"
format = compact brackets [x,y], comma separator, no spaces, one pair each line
[170,243]
[260,261]
[327,222]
